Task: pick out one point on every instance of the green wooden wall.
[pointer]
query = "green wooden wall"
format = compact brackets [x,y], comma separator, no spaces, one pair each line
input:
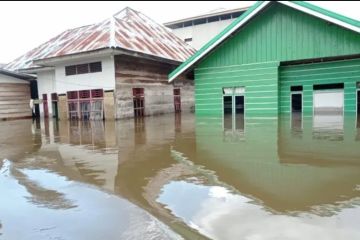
[259,80]
[347,72]
[276,35]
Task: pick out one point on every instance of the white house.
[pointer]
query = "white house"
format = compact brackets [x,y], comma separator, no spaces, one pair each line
[198,30]
[116,68]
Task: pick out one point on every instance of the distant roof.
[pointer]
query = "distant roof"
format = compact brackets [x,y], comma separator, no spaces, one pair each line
[16,74]
[127,29]
[206,15]
[308,8]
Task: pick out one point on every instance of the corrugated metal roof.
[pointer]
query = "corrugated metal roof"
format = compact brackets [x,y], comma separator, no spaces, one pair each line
[127,29]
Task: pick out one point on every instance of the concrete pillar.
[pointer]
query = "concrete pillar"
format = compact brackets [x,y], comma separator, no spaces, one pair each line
[62,107]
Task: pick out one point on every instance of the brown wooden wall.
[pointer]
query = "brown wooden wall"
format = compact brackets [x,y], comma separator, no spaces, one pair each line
[131,72]
[14,100]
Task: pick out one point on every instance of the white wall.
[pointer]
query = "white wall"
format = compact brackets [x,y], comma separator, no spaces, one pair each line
[8,79]
[46,85]
[201,33]
[46,82]
[55,81]
[104,79]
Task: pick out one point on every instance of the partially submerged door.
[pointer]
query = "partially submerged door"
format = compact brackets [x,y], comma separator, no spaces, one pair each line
[45,105]
[329,101]
[54,105]
[358,101]
[296,102]
[233,107]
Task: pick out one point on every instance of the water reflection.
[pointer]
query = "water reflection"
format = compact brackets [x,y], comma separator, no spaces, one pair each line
[202,177]
[234,128]
[357,138]
[296,124]
[328,127]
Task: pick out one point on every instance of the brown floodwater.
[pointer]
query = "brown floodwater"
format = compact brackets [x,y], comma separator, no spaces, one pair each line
[181,177]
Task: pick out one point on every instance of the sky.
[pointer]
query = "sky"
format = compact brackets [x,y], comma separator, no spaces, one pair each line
[26,25]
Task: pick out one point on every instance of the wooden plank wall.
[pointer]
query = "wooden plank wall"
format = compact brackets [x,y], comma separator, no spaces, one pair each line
[14,100]
[131,72]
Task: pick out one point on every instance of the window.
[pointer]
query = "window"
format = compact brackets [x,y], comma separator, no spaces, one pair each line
[225,16]
[296,88]
[199,21]
[86,104]
[187,24]
[83,68]
[329,86]
[95,67]
[188,39]
[236,14]
[70,70]
[213,19]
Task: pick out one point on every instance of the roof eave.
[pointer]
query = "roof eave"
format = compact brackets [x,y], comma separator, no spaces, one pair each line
[47,62]
[17,75]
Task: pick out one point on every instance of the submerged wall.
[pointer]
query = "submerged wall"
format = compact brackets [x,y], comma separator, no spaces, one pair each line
[133,72]
[251,56]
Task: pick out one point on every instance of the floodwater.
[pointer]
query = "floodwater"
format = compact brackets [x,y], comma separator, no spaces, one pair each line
[181,177]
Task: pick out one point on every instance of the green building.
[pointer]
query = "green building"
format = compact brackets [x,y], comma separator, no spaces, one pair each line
[278,57]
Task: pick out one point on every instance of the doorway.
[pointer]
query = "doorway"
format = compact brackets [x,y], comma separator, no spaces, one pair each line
[296,102]
[177,100]
[227,104]
[139,102]
[358,102]
[233,108]
[54,105]
[45,105]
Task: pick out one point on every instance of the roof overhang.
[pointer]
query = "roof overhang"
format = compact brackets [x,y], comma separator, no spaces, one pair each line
[90,55]
[17,75]
[120,51]
[35,70]
[50,62]
[249,14]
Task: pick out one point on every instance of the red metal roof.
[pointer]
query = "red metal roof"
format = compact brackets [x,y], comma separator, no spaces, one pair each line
[128,29]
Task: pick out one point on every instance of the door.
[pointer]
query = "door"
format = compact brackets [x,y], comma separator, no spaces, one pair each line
[139,102]
[54,105]
[358,101]
[227,104]
[329,101]
[296,102]
[45,105]
[177,100]
[233,107]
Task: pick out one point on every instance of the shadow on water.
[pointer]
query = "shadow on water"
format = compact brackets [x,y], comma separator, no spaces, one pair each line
[229,178]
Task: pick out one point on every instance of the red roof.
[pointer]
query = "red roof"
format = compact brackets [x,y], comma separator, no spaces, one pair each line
[128,29]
